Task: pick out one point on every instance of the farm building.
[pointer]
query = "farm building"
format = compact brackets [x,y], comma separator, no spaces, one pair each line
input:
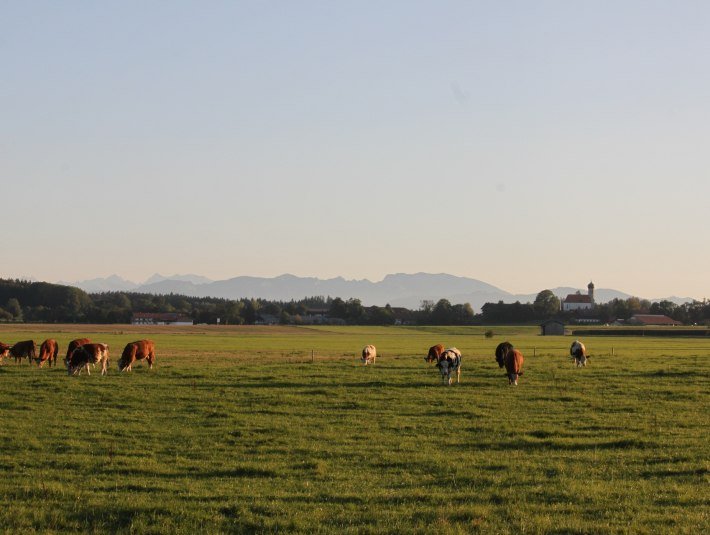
[579,301]
[552,328]
[160,318]
[651,319]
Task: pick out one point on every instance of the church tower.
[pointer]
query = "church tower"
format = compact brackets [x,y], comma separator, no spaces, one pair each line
[590,291]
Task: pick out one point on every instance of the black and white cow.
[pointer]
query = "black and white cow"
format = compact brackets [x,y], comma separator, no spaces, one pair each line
[87,354]
[578,353]
[450,362]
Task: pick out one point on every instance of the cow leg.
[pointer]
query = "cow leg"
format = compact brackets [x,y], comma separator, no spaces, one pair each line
[458,376]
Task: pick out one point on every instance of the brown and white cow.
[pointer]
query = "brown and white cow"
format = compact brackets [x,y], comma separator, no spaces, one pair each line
[24,350]
[138,350]
[369,354]
[434,353]
[512,359]
[450,362]
[87,354]
[48,352]
[578,353]
[4,351]
[72,346]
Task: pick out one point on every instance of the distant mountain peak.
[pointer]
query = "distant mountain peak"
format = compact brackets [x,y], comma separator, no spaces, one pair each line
[398,289]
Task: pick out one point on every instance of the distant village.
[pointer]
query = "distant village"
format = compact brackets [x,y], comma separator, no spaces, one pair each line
[40,302]
[576,308]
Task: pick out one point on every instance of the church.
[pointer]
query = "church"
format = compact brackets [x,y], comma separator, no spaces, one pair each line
[579,301]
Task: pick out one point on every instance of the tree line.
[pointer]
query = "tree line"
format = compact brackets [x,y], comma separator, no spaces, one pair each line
[42,302]
[547,306]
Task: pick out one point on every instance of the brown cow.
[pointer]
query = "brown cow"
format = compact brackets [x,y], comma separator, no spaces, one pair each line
[72,346]
[26,349]
[48,352]
[512,359]
[434,353]
[87,354]
[138,350]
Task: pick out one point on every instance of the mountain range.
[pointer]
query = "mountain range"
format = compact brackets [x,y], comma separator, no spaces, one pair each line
[401,289]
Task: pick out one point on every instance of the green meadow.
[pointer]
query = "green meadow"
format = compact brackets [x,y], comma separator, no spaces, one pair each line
[281,429]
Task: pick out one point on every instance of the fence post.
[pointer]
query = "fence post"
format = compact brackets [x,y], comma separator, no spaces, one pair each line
[313,357]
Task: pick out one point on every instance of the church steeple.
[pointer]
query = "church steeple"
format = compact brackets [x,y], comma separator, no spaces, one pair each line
[590,291]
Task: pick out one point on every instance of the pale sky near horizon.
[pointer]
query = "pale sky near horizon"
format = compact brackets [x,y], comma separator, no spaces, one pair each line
[528,144]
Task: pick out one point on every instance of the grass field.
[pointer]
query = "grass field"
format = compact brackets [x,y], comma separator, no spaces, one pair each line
[266,429]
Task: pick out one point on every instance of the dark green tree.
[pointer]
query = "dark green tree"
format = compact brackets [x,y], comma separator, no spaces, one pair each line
[546,304]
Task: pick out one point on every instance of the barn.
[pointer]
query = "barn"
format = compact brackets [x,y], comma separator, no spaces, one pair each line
[652,319]
[552,328]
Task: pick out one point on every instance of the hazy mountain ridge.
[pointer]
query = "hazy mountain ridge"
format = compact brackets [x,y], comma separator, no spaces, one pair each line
[400,289]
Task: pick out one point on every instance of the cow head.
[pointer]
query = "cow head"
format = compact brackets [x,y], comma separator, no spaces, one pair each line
[4,350]
[445,370]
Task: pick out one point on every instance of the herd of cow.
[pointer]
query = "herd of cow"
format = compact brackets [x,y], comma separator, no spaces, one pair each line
[80,354]
[448,360]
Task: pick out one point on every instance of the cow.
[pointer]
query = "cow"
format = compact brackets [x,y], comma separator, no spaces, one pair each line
[434,353]
[87,354]
[4,351]
[512,359]
[72,346]
[578,353]
[138,350]
[26,349]
[48,352]
[449,362]
[369,354]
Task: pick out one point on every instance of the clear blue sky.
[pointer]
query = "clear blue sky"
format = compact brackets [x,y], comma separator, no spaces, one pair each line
[526,144]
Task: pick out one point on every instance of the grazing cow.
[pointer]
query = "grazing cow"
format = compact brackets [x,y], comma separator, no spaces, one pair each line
[72,346]
[48,352]
[26,350]
[578,353]
[434,353]
[369,354]
[138,350]
[512,359]
[87,354]
[449,362]
[4,351]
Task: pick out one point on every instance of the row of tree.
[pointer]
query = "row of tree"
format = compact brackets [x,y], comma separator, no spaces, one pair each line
[547,305]
[25,301]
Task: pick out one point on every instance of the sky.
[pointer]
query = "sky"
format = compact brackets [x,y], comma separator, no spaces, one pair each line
[526,144]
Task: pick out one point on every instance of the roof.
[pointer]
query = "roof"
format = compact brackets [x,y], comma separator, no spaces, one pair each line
[653,319]
[549,322]
[578,298]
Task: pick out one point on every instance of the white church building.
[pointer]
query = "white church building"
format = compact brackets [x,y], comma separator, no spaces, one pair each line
[579,301]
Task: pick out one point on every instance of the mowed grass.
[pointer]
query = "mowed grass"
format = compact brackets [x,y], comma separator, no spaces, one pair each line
[266,429]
